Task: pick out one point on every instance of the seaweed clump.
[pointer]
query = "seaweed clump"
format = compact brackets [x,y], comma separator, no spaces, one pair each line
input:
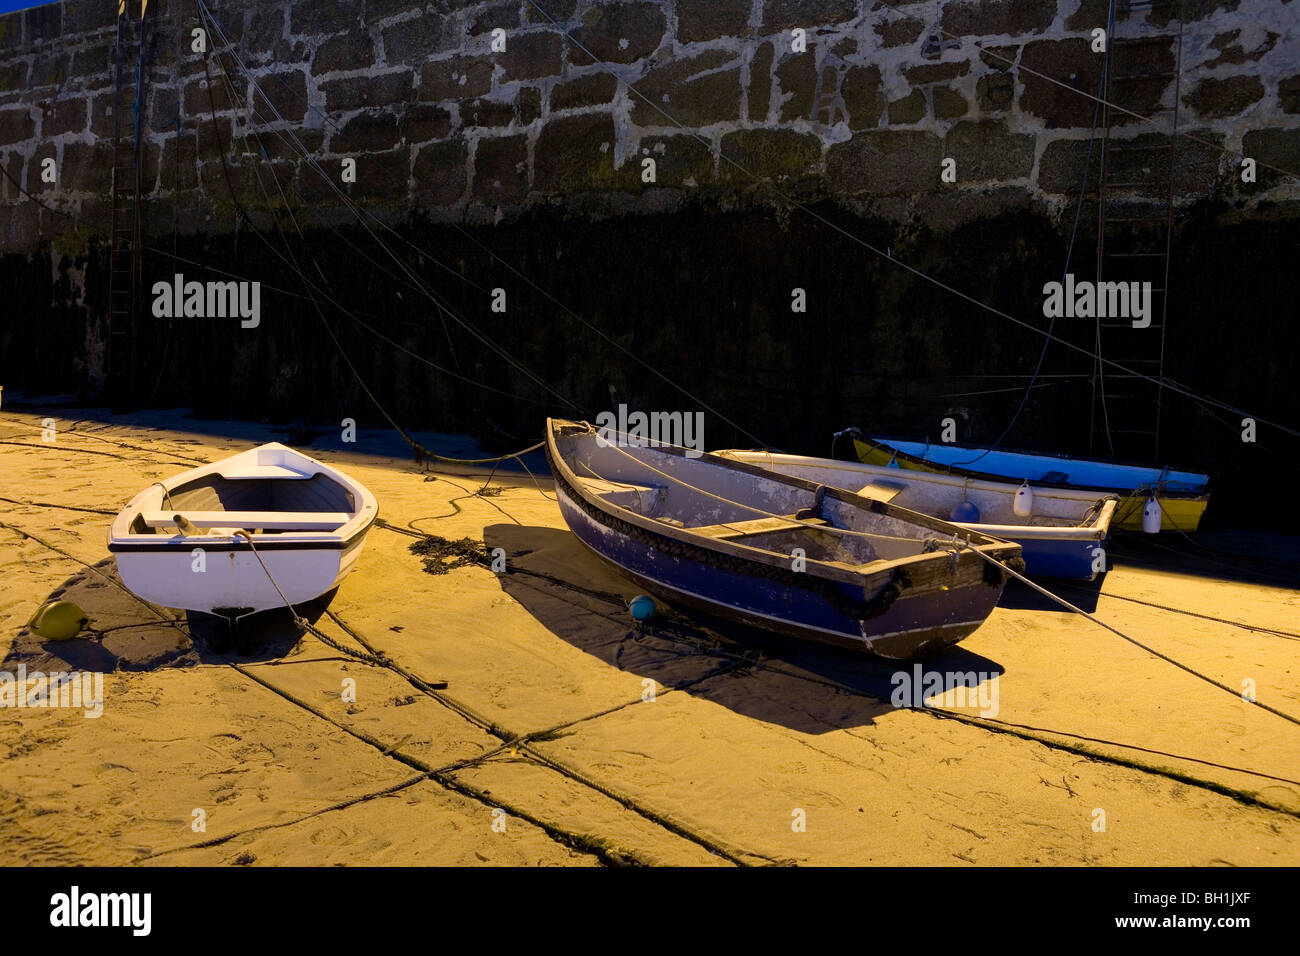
[443,554]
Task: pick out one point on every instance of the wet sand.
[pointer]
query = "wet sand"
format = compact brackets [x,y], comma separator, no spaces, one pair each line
[745,736]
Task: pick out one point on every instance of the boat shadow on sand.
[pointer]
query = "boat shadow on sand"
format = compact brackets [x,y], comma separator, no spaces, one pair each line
[125,634]
[703,656]
[1085,595]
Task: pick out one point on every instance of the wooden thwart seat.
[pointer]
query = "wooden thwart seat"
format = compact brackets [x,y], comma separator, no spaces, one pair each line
[740,529]
[882,489]
[274,520]
[643,499]
[600,486]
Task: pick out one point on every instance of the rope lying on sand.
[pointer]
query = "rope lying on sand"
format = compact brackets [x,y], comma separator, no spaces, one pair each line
[443,776]
[713,644]
[747,661]
[50,504]
[508,739]
[364,657]
[577,841]
[50,446]
[484,461]
[1003,568]
[1134,641]
[1257,628]
[72,429]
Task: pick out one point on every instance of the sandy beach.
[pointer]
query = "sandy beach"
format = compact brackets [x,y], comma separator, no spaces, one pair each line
[565,736]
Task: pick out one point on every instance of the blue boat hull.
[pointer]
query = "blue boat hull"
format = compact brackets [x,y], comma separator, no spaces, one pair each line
[908,628]
[1183,495]
[1058,558]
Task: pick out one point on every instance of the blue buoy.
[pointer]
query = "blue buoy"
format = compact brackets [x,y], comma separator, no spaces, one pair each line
[965,512]
[642,608]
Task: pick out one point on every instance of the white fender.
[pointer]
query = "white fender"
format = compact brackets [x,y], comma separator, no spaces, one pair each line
[1023,505]
[1151,516]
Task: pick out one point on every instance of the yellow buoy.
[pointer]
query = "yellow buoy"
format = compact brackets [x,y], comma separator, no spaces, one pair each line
[58,621]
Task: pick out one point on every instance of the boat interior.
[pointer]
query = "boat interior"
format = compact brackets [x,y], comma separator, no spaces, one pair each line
[938,495]
[261,505]
[704,496]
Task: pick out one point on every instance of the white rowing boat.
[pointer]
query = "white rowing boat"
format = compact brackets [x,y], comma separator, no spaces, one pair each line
[194,541]
[1062,532]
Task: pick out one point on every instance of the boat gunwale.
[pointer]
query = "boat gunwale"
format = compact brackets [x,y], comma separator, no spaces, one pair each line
[363,516]
[292,541]
[865,575]
[882,443]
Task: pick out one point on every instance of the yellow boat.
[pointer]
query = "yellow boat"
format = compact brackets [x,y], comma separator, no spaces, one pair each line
[1182,495]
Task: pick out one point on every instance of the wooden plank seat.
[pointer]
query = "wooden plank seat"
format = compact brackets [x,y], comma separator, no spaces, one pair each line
[882,489]
[742,529]
[643,499]
[267,520]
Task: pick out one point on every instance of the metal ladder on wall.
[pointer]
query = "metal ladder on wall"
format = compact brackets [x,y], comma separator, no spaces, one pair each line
[124,237]
[1135,210]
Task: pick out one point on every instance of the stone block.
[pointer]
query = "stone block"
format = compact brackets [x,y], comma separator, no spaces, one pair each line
[620,32]
[885,163]
[501,170]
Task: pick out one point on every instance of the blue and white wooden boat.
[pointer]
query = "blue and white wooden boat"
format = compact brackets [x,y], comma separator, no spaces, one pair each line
[773,551]
[1063,534]
[1181,495]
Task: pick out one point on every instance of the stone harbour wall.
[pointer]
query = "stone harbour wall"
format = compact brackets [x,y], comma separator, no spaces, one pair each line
[443,122]
[525,168]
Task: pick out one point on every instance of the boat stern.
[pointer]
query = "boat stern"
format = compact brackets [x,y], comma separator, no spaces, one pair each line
[944,605]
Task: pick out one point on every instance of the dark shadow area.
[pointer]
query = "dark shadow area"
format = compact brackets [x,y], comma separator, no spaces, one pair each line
[1247,557]
[124,635]
[583,602]
[1082,594]
[310,437]
[264,636]
[732,269]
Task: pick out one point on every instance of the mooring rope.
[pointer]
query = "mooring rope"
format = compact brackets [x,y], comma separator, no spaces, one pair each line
[920,274]
[1069,252]
[302,622]
[379,659]
[351,205]
[754,508]
[718,646]
[1134,641]
[1186,613]
[990,726]
[441,775]
[1222,150]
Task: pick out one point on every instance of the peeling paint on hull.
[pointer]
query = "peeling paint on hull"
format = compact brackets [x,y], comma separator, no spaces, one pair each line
[912,626]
